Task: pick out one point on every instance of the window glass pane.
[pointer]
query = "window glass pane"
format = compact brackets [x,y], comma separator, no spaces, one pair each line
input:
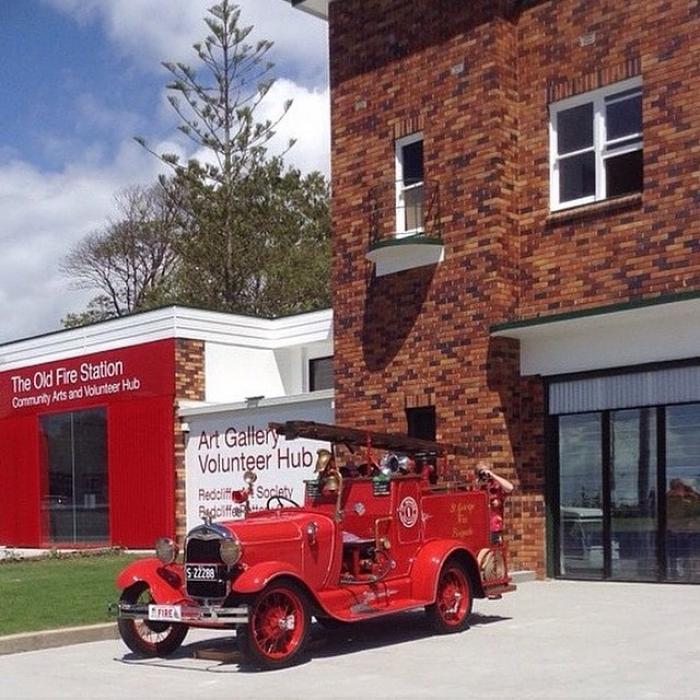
[580,495]
[683,493]
[623,118]
[575,128]
[90,465]
[321,374]
[57,438]
[76,504]
[412,162]
[412,201]
[624,174]
[421,422]
[633,494]
[577,177]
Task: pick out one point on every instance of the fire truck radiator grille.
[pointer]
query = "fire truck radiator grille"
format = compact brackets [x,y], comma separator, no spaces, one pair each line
[204,571]
[203,551]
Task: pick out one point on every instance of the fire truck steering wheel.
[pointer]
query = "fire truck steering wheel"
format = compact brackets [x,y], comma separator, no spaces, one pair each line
[280,501]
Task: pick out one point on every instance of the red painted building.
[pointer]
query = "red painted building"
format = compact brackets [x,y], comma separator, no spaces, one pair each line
[72,418]
[92,441]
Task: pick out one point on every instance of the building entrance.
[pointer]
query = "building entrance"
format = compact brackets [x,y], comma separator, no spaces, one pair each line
[627,494]
[75,504]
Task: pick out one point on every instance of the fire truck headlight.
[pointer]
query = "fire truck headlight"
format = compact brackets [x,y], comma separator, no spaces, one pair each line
[166,550]
[230,551]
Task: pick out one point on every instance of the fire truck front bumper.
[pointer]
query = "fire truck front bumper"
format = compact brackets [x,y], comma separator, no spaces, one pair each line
[186,614]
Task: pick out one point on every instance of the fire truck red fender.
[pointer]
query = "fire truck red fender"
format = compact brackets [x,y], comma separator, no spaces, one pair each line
[429,562]
[165,582]
[258,576]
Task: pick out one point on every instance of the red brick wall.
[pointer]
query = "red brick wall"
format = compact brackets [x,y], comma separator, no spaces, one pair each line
[395,68]
[650,244]
[424,332]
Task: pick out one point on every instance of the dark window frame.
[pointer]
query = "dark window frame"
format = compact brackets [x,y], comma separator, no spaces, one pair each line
[421,422]
[553,512]
[313,362]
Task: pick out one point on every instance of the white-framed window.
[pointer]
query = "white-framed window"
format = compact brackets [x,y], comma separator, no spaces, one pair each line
[596,145]
[409,185]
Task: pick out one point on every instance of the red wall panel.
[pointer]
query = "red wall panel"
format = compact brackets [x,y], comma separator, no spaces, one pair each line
[20,486]
[141,471]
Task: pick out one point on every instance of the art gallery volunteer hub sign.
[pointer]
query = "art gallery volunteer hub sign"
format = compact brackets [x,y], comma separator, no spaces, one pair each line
[222,446]
[275,456]
[84,380]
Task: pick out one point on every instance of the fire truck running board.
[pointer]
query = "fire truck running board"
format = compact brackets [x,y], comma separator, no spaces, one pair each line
[363,611]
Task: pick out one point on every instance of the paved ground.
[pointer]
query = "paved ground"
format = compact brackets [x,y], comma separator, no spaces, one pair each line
[547,640]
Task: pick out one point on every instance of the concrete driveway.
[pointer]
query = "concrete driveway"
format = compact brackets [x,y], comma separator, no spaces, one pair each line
[551,639]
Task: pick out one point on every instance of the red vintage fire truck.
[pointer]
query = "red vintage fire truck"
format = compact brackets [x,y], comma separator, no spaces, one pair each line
[387,525]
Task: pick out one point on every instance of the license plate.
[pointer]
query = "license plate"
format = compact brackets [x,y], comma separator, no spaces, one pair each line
[202,572]
[165,613]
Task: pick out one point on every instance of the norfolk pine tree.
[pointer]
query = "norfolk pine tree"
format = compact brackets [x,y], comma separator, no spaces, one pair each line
[247,234]
[257,240]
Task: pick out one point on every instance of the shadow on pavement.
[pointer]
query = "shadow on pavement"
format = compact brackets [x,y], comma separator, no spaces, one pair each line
[343,640]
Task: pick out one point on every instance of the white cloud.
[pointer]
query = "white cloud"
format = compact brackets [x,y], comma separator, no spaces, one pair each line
[308,121]
[44,215]
[150,31]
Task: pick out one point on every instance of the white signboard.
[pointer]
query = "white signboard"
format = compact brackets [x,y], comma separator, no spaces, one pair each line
[222,446]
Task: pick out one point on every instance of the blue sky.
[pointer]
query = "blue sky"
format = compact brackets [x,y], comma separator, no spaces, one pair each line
[79,79]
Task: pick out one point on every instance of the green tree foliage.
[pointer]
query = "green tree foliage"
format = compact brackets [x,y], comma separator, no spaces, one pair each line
[278,240]
[257,239]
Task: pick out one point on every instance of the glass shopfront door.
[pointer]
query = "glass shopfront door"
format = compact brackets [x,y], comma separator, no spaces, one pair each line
[682,498]
[75,505]
[633,482]
[581,495]
[611,522]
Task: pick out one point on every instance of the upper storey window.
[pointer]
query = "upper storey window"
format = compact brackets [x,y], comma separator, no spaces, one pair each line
[409,185]
[596,145]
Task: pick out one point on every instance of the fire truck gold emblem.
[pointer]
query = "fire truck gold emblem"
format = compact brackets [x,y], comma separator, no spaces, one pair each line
[408,511]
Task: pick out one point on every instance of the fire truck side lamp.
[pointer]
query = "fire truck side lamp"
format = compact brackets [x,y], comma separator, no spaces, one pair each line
[311,532]
[166,550]
[230,551]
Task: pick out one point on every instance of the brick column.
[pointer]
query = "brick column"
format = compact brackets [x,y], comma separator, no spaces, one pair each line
[189,385]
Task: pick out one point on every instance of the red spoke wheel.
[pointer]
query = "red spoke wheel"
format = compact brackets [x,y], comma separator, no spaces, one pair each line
[147,637]
[278,629]
[453,602]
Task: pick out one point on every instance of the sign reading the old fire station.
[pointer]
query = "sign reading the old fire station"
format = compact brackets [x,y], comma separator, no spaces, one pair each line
[89,379]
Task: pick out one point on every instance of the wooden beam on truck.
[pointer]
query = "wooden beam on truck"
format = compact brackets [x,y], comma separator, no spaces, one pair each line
[359,437]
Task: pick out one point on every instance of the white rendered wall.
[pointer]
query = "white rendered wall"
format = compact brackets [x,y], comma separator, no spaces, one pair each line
[290,364]
[658,333]
[234,373]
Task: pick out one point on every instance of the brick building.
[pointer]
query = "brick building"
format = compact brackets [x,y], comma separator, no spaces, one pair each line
[516,261]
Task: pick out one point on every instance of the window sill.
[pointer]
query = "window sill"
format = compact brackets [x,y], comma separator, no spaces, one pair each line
[627,201]
[396,254]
